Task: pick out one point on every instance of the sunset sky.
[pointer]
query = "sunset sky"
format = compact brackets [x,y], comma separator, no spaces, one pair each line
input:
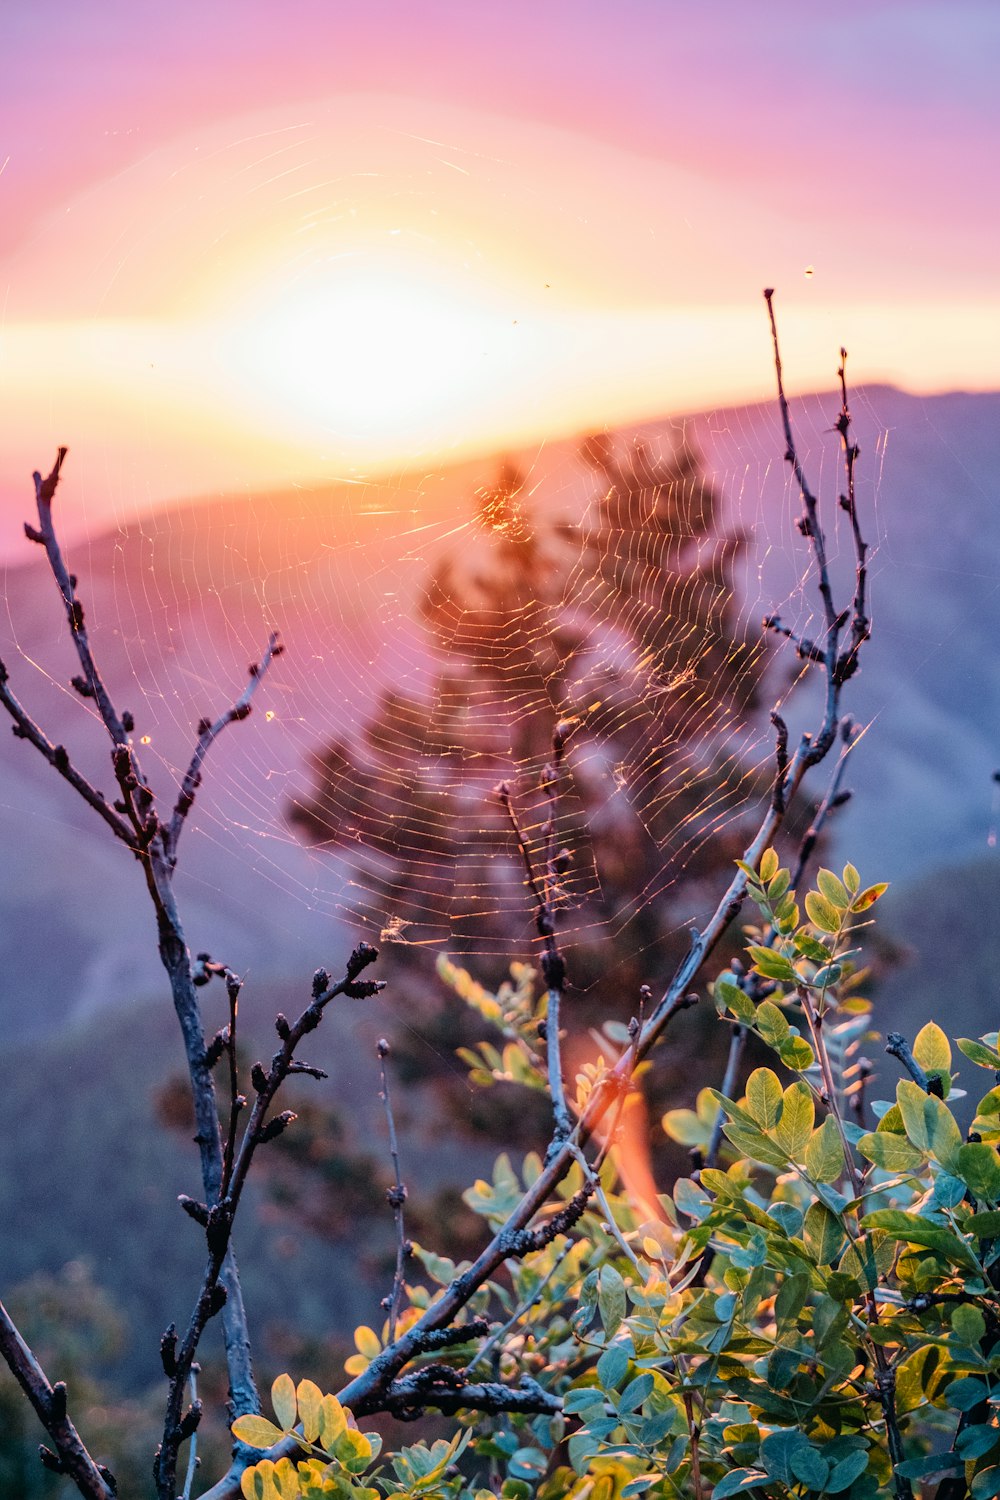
[247,244]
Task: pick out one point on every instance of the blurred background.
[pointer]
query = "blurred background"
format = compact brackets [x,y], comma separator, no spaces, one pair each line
[432,335]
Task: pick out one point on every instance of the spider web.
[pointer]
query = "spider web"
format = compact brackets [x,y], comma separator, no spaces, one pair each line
[438,623]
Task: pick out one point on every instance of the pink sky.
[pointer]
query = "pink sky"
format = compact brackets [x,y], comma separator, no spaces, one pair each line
[249,243]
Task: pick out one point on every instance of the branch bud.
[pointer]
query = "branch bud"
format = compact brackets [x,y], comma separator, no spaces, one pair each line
[168,1351]
[277,1126]
[363,955]
[50,1460]
[199,1212]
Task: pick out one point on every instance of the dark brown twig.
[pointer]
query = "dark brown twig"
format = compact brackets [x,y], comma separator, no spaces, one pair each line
[71,1457]
[218,1217]
[208,733]
[396,1195]
[134,820]
[543,893]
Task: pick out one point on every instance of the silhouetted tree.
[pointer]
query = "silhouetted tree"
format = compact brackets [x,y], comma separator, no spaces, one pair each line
[621,625]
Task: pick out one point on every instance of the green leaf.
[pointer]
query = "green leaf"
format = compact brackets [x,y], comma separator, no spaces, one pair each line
[728,995]
[868,1259]
[810,1469]
[843,1474]
[986,1484]
[979,1053]
[772,965]
[791,1298]
[933,1466]
[893,1153]
[918,1231]
[739,1482]
[979,1168]
[284,1402]
[764,1099]
[611,1300]
[796,1054]
[810,947]
[852,880]
[771,1024]
[754,1144]
[929,1123]
[796,1120]
[823,1234]
[833,890]
[970,1326]
[777,1449]
[612,1366]
[636,1392]
[825,1153]
[931,1049]
[257,1432]
[768,865]
[684,1126]
[821,914]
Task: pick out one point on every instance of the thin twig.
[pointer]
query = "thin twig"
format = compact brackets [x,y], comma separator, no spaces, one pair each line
[192,1465]
[897,1046]
[737,1045]
[208,733]
[553,967]
[26,729]
[217,1217]
[396,1195]
[71,1457]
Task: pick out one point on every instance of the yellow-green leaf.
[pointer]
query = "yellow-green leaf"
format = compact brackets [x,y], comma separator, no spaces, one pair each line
[332,1421]
[931,1049]
[366,1341]
[851,879]
[257,1432]
[825,1153]
[764,1098]
[823,1234]
[796,1122]
[284,1402]
[929,1123]
[821,914]
[310,1399]
[768,865]
[833,890]
[979,1053]
[893,1153]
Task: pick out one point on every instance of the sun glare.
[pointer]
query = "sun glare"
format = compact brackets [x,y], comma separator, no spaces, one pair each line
[369,355]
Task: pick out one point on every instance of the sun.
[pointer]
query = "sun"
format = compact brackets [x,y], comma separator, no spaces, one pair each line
[369,356]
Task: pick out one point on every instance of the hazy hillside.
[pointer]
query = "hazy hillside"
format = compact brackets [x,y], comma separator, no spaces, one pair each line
[182,602]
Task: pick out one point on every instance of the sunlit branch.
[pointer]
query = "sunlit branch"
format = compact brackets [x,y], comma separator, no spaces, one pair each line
[208,733]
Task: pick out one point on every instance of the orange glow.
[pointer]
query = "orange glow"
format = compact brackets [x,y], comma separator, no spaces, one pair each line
[369,356]
[361,284]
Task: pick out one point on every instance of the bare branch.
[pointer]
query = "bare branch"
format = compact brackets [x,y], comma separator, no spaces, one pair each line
[396,1195]
[220,1212]
[207,735]
[71,1457]
[898,1046]
[446,1389]
[26,729]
